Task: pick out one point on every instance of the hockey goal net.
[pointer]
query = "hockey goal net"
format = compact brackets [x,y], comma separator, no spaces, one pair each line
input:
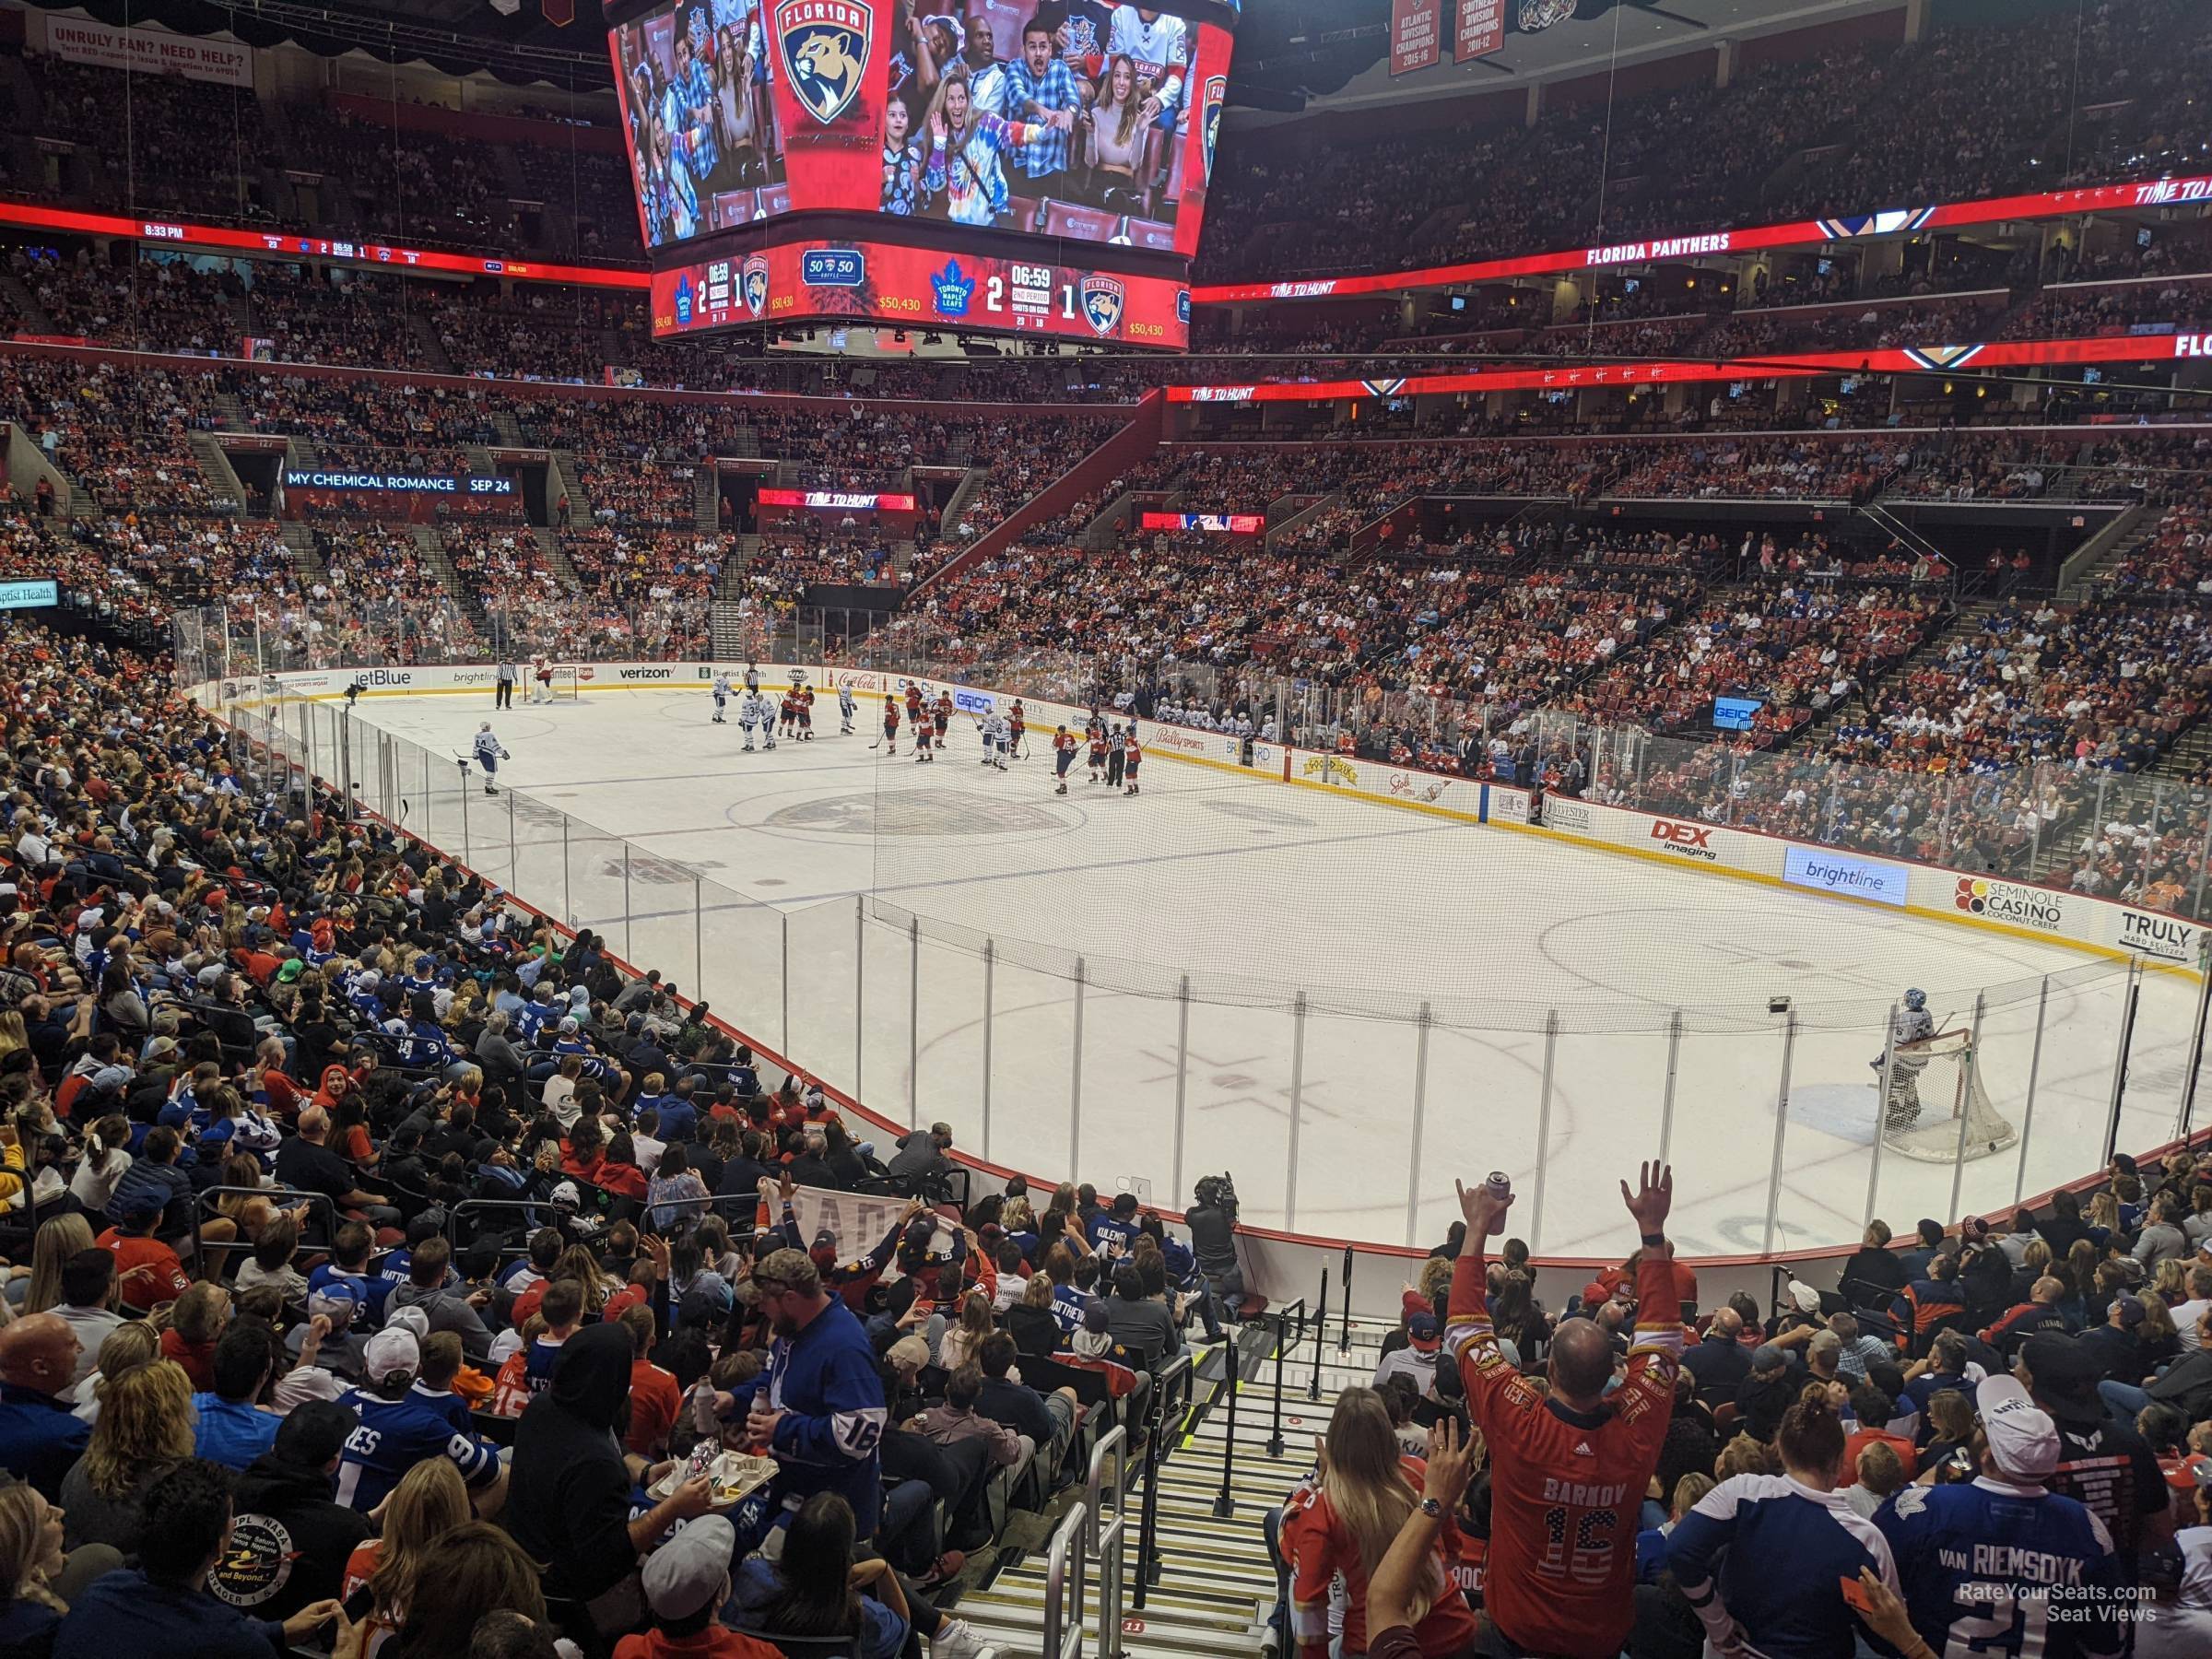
[562,685]
[1932,1084]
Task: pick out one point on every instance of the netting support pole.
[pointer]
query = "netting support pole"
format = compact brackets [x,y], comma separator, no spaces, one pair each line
[860,982]
[628,952]
[1075,1085]
[783,974]
[1666,1108]
[2035,1067]
[568,897]
[913,1022]
[699,941]
[2203,861]
[466,860]
[990,977]
[1881,1111]
[2127,1037]
[1966,1086]
[1420,1115]
[1182,1082]
[2186,1118]
[1781,1130]
[514,858]
[1298,1090]
[1551,1044]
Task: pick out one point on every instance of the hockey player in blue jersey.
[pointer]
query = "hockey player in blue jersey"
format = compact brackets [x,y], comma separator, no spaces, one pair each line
[488,755]
[756,711]
[1999,1565]
[722,695]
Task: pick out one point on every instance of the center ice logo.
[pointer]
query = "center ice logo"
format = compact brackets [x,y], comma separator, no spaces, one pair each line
[825,45]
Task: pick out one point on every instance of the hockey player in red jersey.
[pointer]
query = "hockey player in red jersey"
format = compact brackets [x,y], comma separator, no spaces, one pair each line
[890,724]
[1567,1468]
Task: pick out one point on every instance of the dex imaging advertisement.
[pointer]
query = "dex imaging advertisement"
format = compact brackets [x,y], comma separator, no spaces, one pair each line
[1077,119]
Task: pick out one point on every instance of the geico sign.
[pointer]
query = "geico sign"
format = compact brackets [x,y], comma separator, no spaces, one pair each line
[1692,840]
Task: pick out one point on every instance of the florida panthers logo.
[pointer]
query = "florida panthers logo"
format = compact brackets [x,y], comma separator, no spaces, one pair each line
[825,45]
[1102,299]
[1217,91]
[755,284]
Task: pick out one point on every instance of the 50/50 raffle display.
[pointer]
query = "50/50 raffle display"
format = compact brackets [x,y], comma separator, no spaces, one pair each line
[886,283]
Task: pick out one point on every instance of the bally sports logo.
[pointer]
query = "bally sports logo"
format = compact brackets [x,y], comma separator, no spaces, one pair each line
[2002,901]
[1692,840]
[1174,738]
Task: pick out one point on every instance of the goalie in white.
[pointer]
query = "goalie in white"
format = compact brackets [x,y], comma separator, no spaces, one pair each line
[1911,1024]
[756,710]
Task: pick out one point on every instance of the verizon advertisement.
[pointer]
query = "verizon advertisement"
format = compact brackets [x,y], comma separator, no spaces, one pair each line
[874,283]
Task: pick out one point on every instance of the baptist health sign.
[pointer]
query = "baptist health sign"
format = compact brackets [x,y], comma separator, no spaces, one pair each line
[1849,878]
[26,595]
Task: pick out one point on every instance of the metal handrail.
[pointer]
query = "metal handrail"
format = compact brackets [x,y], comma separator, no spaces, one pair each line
[1224,1505]
[1063,1637]
[285,1198]
[1173,1384]
[1103,1543]
[1320,1324]
[1283,1345]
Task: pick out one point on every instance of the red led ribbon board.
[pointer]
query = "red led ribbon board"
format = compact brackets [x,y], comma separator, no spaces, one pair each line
[1906,359]
[877,283]
[1233,523]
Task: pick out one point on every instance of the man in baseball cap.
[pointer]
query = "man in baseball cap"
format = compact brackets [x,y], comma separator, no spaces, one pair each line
[686,1582]
[2101,1460]
[2023,1441]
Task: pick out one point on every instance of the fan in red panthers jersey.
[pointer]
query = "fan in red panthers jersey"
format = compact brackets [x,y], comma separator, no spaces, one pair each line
[1569,1467]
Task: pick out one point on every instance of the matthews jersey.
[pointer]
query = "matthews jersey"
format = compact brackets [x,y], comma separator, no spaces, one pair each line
[395,1435]
[1742,1529]
[488,750]
[1990,1568]
[1567,1486]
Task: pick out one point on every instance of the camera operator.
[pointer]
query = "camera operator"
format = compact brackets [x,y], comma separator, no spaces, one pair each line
[1212,1219]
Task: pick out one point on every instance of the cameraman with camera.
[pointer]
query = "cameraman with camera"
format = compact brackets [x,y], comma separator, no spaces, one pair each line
[1212,1219]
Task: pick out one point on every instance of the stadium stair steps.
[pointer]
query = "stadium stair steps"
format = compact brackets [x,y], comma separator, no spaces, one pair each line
[509,429]
[299,541]
[233,413]
[566,479]
[1314,506]
[706,500]
[19,294]
[431,546]
[745,442]
[1214,1587]
[958,502]
[2132,536]
[428,348]
[302,452]
[557,559]
[1098,535]
[217,465]
[1855,707]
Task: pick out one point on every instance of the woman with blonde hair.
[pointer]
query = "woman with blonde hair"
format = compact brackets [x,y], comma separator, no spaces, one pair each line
[144,1430]
[30,1560]
[1343,1527]
[959,1344]
[129,1345]
[428,1504]
[1113,137]
[58,1239]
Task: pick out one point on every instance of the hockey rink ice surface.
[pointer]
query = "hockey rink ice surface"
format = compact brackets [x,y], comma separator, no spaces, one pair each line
[1258,892]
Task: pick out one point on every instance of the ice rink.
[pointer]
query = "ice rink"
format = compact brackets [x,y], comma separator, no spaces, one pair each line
[1313,929]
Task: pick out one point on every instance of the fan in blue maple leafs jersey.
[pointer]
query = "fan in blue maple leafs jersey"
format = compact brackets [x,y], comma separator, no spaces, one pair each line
[1998,1565]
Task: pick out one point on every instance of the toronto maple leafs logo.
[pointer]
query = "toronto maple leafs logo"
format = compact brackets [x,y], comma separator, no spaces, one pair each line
[952,288]
[1217,91]
[825,45]
[755,284]
[683,301]
[1102,300]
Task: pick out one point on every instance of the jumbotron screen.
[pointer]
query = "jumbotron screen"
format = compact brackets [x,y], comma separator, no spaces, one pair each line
[1078,120]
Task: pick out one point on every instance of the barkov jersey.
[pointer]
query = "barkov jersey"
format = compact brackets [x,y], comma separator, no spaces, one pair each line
[1992,1568]
[1567,1487]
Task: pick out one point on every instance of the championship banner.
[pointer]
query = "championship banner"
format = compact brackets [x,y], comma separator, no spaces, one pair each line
[1481,29]
[150,51]
[871,282]
[1414,42]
